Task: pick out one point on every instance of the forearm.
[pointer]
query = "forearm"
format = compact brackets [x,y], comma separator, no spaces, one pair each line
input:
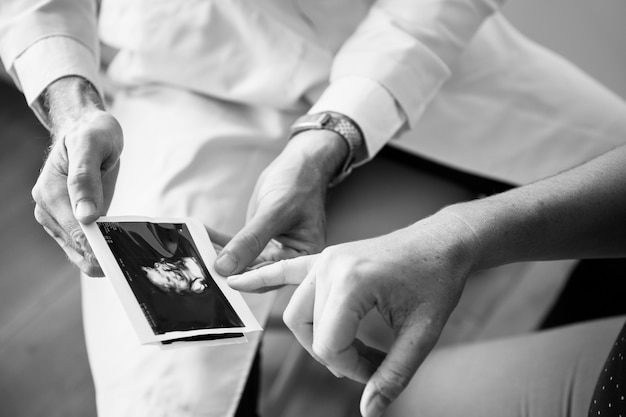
[576,214]
[42,41]
[67,100]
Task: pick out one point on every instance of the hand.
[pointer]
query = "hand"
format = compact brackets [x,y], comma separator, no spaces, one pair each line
[413,277]
[287,207]
[219,240]
[77,180]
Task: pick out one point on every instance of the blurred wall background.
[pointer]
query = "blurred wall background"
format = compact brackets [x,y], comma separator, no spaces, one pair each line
[590,33]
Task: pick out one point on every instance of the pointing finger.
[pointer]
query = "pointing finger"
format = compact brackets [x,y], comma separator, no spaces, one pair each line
[292,271]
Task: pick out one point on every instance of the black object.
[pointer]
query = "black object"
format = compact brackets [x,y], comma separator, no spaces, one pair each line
[595,289]
[248,404]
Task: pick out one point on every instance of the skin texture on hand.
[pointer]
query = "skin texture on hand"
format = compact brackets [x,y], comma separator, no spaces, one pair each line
[77,180]
[413,278]
[287,208]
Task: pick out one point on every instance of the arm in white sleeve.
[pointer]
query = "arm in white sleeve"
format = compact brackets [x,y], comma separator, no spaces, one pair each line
[44,40]
[387,72]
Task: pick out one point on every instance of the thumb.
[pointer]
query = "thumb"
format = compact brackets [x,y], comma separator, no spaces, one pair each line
[245,246]
[84,184]
[396,371]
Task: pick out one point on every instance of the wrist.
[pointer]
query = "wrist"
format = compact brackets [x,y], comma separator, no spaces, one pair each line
[344,128]
[463,240]
[491,224]
[67,101]
[324,150]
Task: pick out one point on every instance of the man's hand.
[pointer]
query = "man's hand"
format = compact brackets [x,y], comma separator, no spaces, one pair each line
[287,207]
[77,180]
[413,277]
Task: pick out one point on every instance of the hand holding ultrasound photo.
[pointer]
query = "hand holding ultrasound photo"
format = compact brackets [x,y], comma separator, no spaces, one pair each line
[162,271]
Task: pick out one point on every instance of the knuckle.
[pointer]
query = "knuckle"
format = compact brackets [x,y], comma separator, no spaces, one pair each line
[73,237]
[77,238]
[35,193]
[85,262]
[329,253]
[289,319]
[114,125]
[328,259]
[80,176]
[251,241]
[45,186]
[293,319]
[343,269]
[328,354]
[90,269]
[43,218]
[68,248]
[40,216]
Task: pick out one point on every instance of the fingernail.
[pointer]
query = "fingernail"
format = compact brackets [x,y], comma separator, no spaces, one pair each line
[375,406]
[225,264]
[85,208]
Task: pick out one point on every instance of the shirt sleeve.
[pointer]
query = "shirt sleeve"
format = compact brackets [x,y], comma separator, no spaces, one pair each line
[44,40]
[387,72]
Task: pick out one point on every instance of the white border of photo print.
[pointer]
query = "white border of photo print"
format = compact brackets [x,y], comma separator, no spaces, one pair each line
[162,271]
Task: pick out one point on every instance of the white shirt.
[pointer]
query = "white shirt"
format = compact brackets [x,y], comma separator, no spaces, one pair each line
[511,111]
[379,62]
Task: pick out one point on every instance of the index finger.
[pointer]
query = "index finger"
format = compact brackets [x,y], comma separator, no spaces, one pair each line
[292,271]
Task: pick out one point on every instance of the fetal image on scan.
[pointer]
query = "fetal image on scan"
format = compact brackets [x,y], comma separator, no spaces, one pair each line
[168,276]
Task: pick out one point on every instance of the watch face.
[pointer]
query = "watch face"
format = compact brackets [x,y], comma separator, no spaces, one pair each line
[310,121]
[336,122]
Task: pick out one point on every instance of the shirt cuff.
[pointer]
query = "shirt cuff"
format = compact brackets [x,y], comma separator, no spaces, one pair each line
[370,106]
[49,59]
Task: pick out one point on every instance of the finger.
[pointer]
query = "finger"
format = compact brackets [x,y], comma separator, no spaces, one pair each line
[408,351]
[246,245]
[365,363]
[84,182]
[336,324]
[275,251]
[280,273]
[85,261]
[109,179]
[373,355]
[218,238]
[298,315]
[53,210]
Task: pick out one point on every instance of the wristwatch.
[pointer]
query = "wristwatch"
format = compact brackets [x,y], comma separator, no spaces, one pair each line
[336,122]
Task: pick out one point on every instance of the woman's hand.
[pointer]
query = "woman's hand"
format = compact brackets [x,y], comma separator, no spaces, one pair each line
[414,277]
